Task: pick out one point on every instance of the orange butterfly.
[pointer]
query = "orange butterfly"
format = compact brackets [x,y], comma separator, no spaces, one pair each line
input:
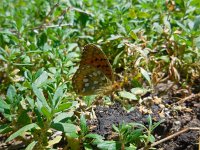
[94,75]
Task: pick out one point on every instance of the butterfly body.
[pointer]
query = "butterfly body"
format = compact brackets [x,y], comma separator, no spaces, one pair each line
[94,75]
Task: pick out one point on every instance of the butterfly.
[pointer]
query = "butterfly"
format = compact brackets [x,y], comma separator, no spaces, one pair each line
[94,75]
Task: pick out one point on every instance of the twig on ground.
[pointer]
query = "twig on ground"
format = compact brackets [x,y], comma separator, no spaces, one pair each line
[190,97]
[174,135]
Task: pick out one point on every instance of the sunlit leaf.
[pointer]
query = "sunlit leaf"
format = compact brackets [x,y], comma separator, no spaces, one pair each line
[62,116]
[31,145]
[157,28]
[133,35]
[128,95]
[114,37]
[197,23]
[46,112]
[21,131]
[108,145]
[41,79]
[63,106]
[138,91]
[11,93]
[83,125]
[116,60]
[3,104]
[38,92]
[58,94]
[2,58]
[65,127]
[94,136]
[145,75]
[197,42]
[56,140]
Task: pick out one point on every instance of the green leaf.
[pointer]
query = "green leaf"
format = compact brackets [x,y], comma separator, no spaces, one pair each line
[72,46]
[116,60]
[58,94]
[180,24]
[31,145]
[46,112]
[145,75]
[115,128]
[128,95]
[197,42]
[157,124]
[56,140]
[107,145]
[196,23]
[133,35]
[137,125]
[86,37]
[6,31]
[3,104]
[5,128]
[31,102]
[40,96]
[21,131]
[65,127]
[63,116]
[94,136]
[151,138]
[87,146]
[42,39]
[23,118]
[83,125]
[121,29]
[132,13]
[165,58]
[89,99]
[131,147]
[41,79]
[114,37]
[38,73]
[139,91]
[11,93]
[143,15]
[28,75]
[2,58]
[134,136]
[63,107]
[157,27]
[149,119]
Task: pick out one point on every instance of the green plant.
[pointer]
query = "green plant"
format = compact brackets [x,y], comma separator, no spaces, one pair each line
[147,42]
[39,114]
[134,135]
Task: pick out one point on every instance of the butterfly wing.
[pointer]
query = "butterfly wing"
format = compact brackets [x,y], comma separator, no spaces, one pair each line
[95,57]
[89,80]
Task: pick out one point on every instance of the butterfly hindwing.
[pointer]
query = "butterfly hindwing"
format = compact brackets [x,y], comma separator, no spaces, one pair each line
[89,80]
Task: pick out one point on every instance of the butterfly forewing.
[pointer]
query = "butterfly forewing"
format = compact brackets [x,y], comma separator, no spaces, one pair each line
[94,56]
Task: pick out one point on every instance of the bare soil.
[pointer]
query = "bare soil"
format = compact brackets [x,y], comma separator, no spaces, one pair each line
[180,108]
